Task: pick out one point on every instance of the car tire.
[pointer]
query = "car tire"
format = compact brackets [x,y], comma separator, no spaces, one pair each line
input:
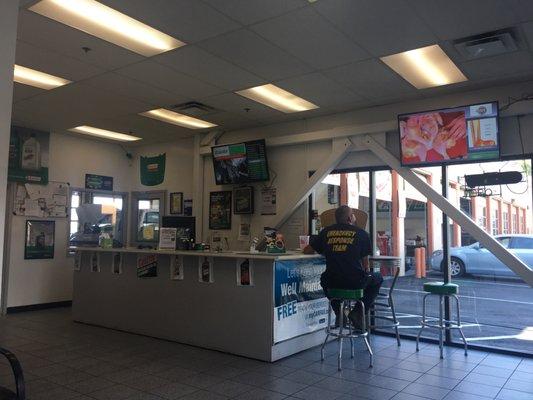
[457,267]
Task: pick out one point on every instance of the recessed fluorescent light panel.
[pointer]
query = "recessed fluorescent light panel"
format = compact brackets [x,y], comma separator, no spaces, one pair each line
[175,118]
[275,97]
[425,67]
[108,24]
[102,133]
[28,76]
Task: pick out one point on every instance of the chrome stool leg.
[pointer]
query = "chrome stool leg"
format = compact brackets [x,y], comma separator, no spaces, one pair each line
[394,319]
[423,321]
[442,327]
[459,326]
[340,339]
[327,334]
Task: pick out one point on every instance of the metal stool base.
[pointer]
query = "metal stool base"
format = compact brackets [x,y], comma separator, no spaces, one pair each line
[350,334]
[443,324]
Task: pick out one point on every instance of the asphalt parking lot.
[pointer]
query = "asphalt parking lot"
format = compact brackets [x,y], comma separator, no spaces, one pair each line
[496,312]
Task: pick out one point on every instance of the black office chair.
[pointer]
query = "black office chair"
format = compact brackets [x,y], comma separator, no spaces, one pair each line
[5,393]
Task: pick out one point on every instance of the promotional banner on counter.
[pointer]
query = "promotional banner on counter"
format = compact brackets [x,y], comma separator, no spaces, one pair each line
[299,303]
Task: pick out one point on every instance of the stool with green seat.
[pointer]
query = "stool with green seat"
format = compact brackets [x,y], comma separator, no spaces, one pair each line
[343,329]
[442,290]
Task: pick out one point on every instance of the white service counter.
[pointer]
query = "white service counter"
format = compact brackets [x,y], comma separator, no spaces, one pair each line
[282,312]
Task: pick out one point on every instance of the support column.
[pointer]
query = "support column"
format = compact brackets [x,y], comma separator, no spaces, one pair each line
[500,217]
[510,218]
[430,225]
[397,223]
[344,189]
[8,40]
[488,216]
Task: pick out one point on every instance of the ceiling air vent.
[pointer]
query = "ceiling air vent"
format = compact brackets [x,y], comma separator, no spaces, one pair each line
[487,44]
[194,108]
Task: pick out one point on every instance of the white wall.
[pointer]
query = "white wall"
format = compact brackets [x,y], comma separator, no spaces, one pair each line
[290,166]
[178,167]
[71,157]
[8,36]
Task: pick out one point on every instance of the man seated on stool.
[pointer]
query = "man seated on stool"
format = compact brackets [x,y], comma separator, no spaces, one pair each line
[346,248]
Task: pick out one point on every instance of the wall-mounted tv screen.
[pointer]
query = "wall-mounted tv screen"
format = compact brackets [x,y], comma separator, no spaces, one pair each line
[451,135]
[240,163]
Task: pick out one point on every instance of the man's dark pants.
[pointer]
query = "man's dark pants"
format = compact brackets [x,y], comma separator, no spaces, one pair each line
[369,282]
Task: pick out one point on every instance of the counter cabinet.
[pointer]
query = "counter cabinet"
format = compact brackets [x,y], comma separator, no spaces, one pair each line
[282,313]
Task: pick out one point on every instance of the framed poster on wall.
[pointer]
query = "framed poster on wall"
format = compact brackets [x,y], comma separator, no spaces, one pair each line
[220,210]
[243,200]
[176,203]
[39,239]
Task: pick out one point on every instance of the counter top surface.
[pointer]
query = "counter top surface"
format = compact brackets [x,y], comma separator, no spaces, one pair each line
[290,255]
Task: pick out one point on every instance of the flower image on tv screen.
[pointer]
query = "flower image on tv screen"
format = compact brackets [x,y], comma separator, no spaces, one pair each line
[452,135]
[240,163]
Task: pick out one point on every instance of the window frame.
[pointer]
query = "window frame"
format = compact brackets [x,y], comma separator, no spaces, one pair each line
[125,209]
[160,195]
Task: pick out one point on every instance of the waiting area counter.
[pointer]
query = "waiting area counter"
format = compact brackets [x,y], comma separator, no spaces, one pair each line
[258,305]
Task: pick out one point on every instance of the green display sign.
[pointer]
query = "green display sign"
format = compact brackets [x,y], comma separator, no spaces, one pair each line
[153,170]
[98,182]
[28,156]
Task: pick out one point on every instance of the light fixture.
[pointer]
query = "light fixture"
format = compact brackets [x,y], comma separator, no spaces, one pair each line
[42,80]
[175,118]
[106,23]
[103,133]
[425,67]
[275,97]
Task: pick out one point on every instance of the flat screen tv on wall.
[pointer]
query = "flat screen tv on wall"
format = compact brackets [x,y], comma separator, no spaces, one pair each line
[450,135]
[240,163]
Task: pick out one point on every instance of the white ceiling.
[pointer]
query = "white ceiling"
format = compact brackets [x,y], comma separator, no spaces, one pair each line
[326,52]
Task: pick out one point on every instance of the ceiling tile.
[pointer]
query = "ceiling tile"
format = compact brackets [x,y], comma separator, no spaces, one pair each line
[240,105]
[21,92]
[253,53]
[48,34]
[370,79]
[498,66]
[147,128]
[252,11]
[456,19]
[135,89]
[187,20]
[523,9]
[169,79]
[202,65]
[54,63]
[75,104]
[528,32]
[376,24]
[308,36]
[320,90]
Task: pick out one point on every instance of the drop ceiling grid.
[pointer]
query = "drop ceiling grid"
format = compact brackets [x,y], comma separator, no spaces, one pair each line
[244,48]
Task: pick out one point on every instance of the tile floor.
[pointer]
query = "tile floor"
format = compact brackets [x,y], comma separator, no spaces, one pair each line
[64,360]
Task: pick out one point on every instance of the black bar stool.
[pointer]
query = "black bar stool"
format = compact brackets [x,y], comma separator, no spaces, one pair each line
[6,394]
[383,308]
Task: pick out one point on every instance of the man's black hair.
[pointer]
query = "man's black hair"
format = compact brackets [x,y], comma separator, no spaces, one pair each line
[342,215]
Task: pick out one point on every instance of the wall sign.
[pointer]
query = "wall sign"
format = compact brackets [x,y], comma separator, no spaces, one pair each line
[40,240]
[205,270]
[268,201]
[243,200]
[300,305]
[153,170]
[45,201]
[220,210]
[28,155]
[98,182]
[176,203]
[146,265]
